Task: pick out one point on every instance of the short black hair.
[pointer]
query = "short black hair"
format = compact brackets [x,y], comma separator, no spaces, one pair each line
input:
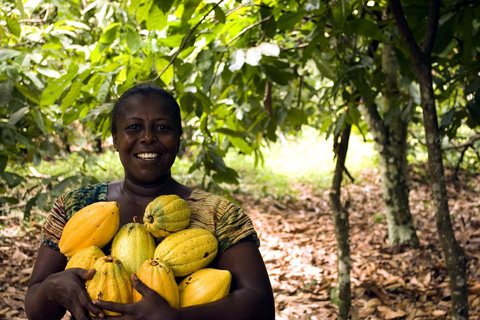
[145,90]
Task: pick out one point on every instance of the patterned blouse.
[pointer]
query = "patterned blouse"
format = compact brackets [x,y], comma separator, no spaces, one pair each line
[228,222]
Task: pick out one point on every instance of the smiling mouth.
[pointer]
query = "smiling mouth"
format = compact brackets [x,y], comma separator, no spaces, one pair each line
[147,156]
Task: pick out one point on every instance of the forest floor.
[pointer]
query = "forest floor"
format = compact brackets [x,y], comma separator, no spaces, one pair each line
[298,245]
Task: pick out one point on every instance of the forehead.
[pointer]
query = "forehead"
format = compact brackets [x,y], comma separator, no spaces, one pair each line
[143,105]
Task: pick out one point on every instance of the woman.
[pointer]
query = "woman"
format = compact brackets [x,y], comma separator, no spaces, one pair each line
[146,130]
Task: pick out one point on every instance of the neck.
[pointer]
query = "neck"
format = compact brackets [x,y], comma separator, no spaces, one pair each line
[142,195]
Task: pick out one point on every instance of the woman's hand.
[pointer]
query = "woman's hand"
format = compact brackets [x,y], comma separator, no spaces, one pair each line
[151,305]
[52,290]
[67,288]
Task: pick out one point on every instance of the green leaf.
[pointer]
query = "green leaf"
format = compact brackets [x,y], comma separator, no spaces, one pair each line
[241,144]
[365,28]
[220,15]
[474,110]
[3,162]
[466,29]
[6,54]
[74,91]
[61,187]
[167,75]
[447,119]
[134,5]
[17,116]
[218,162]
[282,77]
[229,132]
[48,72]
[339,124]
[133,40]
[230,177]
[55,88]
[28,93]
[339,13]
[12,179]
[164,5]
[14,26]
[354,115]
[190,6]
[289,20]
[156,20]
[37,114]
[142,11]
[104,89]
[109,34]
[6,89]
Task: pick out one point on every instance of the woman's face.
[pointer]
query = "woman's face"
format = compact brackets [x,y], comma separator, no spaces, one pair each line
[147,139]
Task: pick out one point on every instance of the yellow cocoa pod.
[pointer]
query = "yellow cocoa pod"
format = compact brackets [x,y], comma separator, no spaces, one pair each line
[133,245]
[203,286]
[111,282]
[158,276]
[166,214]
[93,225]
[85,258]
[188,250]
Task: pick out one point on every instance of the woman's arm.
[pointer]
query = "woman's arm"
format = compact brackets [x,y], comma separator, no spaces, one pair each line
[250,296]
[53,290]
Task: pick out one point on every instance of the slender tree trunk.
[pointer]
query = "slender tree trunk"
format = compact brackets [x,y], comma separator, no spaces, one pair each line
[453,253]
[342,227]
[390,136]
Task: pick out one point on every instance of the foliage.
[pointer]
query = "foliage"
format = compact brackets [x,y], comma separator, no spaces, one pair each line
[242,71]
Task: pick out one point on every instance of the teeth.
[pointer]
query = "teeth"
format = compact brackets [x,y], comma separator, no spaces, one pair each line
[147,155]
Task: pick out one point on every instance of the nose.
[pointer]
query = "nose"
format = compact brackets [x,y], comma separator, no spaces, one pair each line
[148,136]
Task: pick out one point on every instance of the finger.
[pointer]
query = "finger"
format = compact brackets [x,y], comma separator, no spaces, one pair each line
[139,285]
[80,314]
[89,274]
[92,308]
[85,274]
[111,306]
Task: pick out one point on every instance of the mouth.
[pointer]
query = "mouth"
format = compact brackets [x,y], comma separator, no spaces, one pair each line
[147,156]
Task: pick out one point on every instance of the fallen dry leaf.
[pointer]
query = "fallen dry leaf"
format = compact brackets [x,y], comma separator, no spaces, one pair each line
[299,248]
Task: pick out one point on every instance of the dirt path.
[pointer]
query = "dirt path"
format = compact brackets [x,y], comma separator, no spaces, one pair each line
[298,245]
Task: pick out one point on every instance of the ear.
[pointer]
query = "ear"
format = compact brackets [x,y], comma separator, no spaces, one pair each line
[115,142]
[178,144]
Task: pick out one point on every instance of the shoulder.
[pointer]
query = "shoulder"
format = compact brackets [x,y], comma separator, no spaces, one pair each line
[83,196]
[199,196]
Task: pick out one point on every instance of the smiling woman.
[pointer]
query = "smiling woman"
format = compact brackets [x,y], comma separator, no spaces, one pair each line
[146,130]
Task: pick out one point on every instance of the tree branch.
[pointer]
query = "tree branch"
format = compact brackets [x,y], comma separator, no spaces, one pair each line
[432,26]
[397,11]
[183,44]
[248,28]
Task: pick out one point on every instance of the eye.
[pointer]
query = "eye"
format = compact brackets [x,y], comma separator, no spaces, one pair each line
[133,127]
[162,127]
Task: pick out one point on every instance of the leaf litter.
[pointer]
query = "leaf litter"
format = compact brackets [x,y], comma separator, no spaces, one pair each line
[299,248]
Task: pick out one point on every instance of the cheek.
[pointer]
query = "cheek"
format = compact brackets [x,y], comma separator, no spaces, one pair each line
[171,143]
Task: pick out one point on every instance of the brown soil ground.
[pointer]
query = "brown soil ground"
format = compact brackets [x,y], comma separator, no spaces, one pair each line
[298,245]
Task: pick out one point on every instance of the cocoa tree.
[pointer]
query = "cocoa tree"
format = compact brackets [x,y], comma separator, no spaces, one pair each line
[342,225]
[421,56]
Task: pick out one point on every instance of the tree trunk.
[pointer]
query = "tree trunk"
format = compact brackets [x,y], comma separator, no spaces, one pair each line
[390,136]
[454,254]
[342,226]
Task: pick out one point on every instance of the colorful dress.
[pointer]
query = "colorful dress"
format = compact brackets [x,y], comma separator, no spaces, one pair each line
[227,221]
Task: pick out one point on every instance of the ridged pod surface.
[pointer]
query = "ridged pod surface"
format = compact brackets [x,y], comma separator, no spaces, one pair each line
[85,258]
[166,214]
[188,250]
[111,282]
[93,225]
[203,286]
[133,245]
[158,276]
